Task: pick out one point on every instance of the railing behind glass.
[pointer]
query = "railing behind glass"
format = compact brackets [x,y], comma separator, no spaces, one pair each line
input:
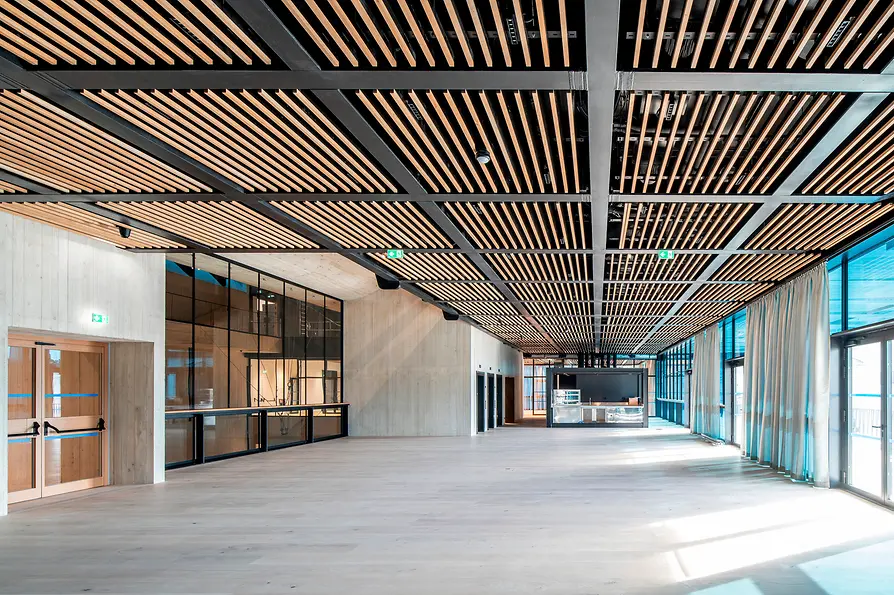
[201,435]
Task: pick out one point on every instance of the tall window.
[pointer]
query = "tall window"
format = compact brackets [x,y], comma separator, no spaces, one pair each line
[861,283]
[238,338]
[672,375]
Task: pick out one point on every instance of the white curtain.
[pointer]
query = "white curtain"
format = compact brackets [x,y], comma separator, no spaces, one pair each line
[787,378]
[706,383]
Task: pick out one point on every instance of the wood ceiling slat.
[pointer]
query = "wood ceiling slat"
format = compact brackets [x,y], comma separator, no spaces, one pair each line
[659,37]
[515,144]
[766,29]
[360,7]
[495,127]
[327,25]
[522,32]
[215,224]
[62,149]
[438,31]
[721,38]
[460,32]
[476,120]
[69,218]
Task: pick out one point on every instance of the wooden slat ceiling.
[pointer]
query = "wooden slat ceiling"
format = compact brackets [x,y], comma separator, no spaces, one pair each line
[7,188]
[462,291]
[674,226]
[526,225]
[581,293]
[564,308]
[531,137]
[73,219]
[798,35]
[864,165]
[213,224]
[724,291]
[709,143]
[816,226]
[481,309]
[436,35]
[140,33]
[542,267]
[648,267]
[763,267]
[44,143]
[386,224]
[264,141]
[415,265]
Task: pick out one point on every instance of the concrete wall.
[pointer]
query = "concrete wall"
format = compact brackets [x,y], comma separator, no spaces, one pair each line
[492,356]
[51,281]
[406,369]
[409,372]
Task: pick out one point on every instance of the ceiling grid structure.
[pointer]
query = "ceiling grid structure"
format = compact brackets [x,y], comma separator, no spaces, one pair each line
[531,160]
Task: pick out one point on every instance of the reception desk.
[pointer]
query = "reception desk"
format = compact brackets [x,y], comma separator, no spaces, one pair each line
[610,397]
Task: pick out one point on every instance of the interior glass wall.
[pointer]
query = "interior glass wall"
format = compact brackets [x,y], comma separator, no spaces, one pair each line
[673,368]
[239,338]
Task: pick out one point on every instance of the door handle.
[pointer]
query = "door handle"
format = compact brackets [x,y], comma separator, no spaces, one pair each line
[877,427]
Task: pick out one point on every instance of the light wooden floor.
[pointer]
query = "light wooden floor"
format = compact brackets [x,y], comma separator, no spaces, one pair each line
[520,510]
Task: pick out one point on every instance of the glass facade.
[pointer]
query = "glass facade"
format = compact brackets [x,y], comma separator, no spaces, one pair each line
[239,338]
[861,283]
[672,376]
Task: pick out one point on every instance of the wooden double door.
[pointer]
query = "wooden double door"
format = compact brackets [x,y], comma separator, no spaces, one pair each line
[57,430]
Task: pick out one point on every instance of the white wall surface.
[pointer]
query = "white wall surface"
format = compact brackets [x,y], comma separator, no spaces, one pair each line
[51,281]
[406,369]
[492,356]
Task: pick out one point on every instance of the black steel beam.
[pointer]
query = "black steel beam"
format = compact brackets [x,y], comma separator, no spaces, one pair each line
[682,80]
[485,80]
[29,185]
[602,22]
[746,198]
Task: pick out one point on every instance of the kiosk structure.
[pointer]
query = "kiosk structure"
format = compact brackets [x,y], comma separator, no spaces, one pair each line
[594,397]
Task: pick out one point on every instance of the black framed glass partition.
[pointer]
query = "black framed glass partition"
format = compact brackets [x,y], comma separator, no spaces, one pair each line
[237,338]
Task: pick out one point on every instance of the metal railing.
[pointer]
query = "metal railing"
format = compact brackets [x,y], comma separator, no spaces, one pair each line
[202,435]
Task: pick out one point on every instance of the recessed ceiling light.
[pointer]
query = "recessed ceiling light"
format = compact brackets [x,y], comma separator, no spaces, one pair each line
[482,156]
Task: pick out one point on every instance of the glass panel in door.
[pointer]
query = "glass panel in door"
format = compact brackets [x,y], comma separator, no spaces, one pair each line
[889,424]
[24,462]
[865,418]
[73,441]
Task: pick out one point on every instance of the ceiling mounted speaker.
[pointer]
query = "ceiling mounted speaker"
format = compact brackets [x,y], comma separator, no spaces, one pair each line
[449,316]
[388,284]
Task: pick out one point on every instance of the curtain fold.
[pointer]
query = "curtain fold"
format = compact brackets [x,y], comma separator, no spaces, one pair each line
[787,350]
[706,383]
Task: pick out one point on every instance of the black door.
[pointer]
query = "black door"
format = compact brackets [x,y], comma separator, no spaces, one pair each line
[500,403]
[491,402]
[482,404]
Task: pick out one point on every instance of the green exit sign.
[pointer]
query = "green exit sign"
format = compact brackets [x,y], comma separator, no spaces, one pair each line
[100,318]
[395,254]
[666,254]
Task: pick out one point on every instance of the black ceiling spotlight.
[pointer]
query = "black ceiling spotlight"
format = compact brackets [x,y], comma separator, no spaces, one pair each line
[124,231]
[387,284]
[482,156]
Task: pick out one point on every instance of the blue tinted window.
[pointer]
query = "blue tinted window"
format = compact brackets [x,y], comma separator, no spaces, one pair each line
[870,286]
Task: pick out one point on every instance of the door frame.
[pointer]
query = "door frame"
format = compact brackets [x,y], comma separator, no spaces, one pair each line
[501,395]
[729,391]
[41,344]
[480,402]
[491,393]
[843,343]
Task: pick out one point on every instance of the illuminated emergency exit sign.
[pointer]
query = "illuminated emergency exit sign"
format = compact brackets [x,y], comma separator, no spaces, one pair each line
[666,254]
[395,254]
